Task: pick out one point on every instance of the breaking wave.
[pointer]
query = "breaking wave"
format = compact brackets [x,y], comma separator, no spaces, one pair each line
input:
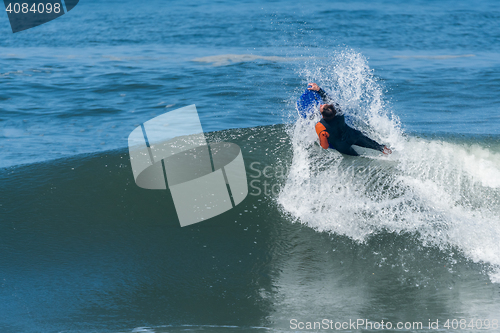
[446,192]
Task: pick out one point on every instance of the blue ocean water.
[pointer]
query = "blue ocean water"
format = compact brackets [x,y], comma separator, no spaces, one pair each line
[83,249]
[81,83]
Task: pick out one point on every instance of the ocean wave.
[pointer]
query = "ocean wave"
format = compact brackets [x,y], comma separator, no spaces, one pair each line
[447,193]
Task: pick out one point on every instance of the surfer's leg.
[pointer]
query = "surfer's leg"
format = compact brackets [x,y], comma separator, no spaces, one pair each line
[359,139]
[345,148]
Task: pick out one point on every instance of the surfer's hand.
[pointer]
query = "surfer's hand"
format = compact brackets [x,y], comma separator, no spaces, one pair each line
[313,86]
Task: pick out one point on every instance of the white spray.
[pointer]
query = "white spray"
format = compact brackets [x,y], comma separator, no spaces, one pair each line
[446,193]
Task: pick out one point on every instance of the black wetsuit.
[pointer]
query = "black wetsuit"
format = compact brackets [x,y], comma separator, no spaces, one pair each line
[342,137]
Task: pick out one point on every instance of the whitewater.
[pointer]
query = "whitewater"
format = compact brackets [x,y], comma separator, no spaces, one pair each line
[447,193]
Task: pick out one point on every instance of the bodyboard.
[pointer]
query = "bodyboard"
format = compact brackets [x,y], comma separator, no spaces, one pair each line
[308,103]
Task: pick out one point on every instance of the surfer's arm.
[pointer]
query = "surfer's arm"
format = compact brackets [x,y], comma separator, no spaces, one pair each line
[321,92]
[323,135]
[327,99]
[324,95]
